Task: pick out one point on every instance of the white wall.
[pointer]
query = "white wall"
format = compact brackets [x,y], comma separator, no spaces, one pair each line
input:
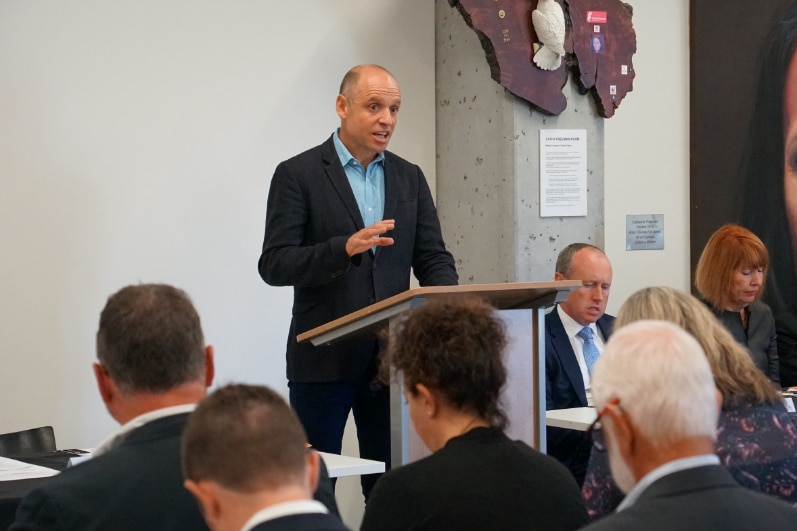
[646,157]
[137,141]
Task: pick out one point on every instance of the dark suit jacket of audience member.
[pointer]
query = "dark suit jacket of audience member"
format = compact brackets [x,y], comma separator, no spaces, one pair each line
[700,499]
[564,388]
[757,443]
[137,485]
[310,215]
[303,522]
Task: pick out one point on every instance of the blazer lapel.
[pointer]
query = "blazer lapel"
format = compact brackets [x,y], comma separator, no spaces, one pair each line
[391,196]
[605,325]
[564,350]
[337,177]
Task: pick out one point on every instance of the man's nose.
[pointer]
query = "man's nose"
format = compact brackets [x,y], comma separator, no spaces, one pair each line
[386,117]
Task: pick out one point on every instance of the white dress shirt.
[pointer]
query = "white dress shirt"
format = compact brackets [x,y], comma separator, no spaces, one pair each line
[572,328]
[284,509]
[116,438]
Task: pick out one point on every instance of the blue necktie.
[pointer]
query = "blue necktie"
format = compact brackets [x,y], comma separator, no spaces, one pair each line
[590,349]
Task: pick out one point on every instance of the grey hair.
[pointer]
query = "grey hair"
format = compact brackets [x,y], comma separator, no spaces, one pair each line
[662,379]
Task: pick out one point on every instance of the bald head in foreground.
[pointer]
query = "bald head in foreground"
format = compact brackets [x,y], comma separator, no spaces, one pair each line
[658,410]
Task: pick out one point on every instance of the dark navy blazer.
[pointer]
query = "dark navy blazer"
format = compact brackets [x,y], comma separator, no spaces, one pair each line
[311,213]
[564,388]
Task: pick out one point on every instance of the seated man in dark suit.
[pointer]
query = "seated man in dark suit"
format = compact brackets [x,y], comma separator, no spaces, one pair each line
[245,459]
[153,367]
[658,416]
[575,332]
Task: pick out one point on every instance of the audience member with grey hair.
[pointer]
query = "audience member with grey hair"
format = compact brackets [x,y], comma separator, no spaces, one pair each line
[245,459]
[658,409]
[756,438]
[153,366]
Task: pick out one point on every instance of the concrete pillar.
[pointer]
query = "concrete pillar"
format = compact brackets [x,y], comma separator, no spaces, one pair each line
[488,165]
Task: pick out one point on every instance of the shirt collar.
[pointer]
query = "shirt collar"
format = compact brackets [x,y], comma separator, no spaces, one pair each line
[345,155]
[665,470]
[571,326]
[116,438]
[284,509]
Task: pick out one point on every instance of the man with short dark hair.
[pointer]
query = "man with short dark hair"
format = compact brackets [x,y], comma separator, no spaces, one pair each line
[153,366]
[245,459]
[575,332]
[658,420]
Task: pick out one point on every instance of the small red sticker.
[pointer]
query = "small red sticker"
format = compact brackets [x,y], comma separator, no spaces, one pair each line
[596,17]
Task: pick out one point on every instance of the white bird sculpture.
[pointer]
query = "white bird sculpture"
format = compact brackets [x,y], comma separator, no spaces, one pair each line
[549,24]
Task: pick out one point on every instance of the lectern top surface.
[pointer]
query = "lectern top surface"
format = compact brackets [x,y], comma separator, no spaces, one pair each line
[504,296]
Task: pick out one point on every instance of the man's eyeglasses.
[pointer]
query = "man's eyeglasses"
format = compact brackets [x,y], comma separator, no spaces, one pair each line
[595,430]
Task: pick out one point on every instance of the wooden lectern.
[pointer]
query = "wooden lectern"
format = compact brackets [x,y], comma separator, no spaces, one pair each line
[521,306]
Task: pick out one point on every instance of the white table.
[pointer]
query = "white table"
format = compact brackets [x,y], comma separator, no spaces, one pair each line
[337,465]
[344,465]
[577,418]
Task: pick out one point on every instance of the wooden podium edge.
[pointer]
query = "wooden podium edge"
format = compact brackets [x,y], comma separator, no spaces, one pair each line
[382,311]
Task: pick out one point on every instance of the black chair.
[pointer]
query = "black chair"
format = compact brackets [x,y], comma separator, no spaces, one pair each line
[33,441]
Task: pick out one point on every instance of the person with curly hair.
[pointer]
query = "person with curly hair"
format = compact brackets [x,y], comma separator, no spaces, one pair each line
[448,354]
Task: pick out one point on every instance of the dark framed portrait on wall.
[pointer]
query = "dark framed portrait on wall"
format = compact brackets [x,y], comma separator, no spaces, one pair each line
[743,141]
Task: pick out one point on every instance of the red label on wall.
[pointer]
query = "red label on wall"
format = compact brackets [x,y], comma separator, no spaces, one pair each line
[596,17]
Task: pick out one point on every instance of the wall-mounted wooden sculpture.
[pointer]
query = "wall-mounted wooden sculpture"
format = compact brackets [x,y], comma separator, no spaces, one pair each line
[522,37]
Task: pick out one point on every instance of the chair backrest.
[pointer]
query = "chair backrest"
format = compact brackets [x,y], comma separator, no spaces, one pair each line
[33,441]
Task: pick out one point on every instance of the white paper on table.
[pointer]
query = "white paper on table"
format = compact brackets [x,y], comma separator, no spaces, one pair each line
[79,459]
[11,469]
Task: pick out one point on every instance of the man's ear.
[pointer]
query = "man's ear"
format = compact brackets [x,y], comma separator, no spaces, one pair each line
[719,400]
[622,430]
[313,470]
[558,276]
[105,385]
[210,368]
[206,495]
[341,106]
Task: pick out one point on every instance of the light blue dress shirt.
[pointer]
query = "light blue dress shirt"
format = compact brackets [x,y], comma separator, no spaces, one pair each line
[368,184]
